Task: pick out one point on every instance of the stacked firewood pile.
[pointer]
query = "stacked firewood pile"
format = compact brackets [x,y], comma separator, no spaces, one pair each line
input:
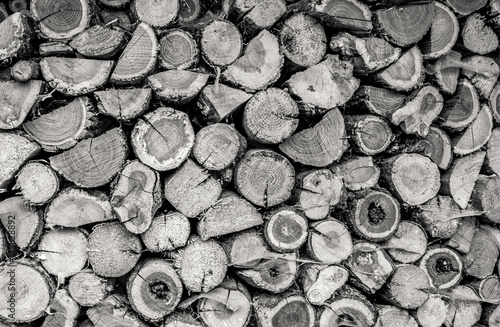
[183,163]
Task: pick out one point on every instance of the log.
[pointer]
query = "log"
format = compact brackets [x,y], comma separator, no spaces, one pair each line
[329,241]
[494,103]
[480,261]
[357,172]
[115,18]
[408,244]
[74,76]
[177,86]
[379,101]
[87,289]
[347,310]
[98,42]
[371,134]
[464,8]
[16,150]
[264,177]
[25,70]
[74,207]
[216,102]
[62,310]
[274,274]
[17,38]
[416,116]
[218,146]
[183,319]
[270,116]
[370,266]
[189,11]
[411,178]
[487,288]
[168,231]
[139,57]
[285,229]
[115,3]
[476,135]
[446,77]
[114,310]
[282,310]
[492,160]
[321,282]
[317,191]
[405,74]
[483,73]
[468,308]
[459,180]
[303,40]
[55,49]
[178,50]
[320,145]
[23,225]
[259,66]
[191,190]
[136,196]
[437,146]
[407,287]
[3,12]
[325,85]
[462,238]
[163,139]
[123,105]
[221,43]
[477,36]
[62,128]
[230,214]
[254,16]
[201,265]
[229,304]
[442,35]
[351,15]
[112,250]
[460,110]
[37,291]
[443,267]
[438,310]
[56,23]
[17,101]
[245,249]
[368,54]
[490,315]
[373,214]
[389,315]
[157,14]
[93,162]
[484,197]
[154,289]
[405,25]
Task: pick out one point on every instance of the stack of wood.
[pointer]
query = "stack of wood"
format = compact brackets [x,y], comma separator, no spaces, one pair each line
[243,163]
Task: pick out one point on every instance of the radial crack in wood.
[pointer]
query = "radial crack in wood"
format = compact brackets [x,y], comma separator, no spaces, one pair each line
[98,42]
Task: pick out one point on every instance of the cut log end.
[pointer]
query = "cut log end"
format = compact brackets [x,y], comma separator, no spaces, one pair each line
[158,14]
[357,172]
[88,289]
[443,266]
[407,287]
[283,310]
[329,241]
[408,244]
[320,282]
[285,229]
[167,232]
[37,182]
[342,311]
[178,50]
[406,73]
[221,43]
[442,35]
[371,134]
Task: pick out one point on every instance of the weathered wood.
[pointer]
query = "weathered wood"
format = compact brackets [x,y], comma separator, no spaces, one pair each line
[112,250]
[33,301]
[325,85]
[73,76]
[163,139]
[405,74]
[178,50]
[177,86]
[168,231]
[492,160]
[371,134]
[463,8]
[389,315]
[317,191]
[154,289]
[461,109]
[62,310]
[436,311]
[88,289]
[221,43]
[462,238]
[56,23]
[480,261]
[483,73]
[329,241]
[477,36]
[321,282]
[285,229]
[219,101]
[62,128]
[74,207]
[407,287]
[114,310]
[245,249]
[189,11]
[139,57]
[136,196]
[408,244]
[264,177]
[347,310]
[3,12]
[377,100]
[488,288]
[24,70]
[123,104]
[289,309]
[17,101]
[357,172]
[191,189]
[115,3]
[476,135]
[229,214]
[443,267]
[99,42]
[55,49]
[117,19]
[484,197]
[468,308]
[437,146]
[270,116]
[16,39]
[202,265]
[320,145]
[442,35]
[494,103]
[157,14]
[254,16]
[183,319]
[446,76]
